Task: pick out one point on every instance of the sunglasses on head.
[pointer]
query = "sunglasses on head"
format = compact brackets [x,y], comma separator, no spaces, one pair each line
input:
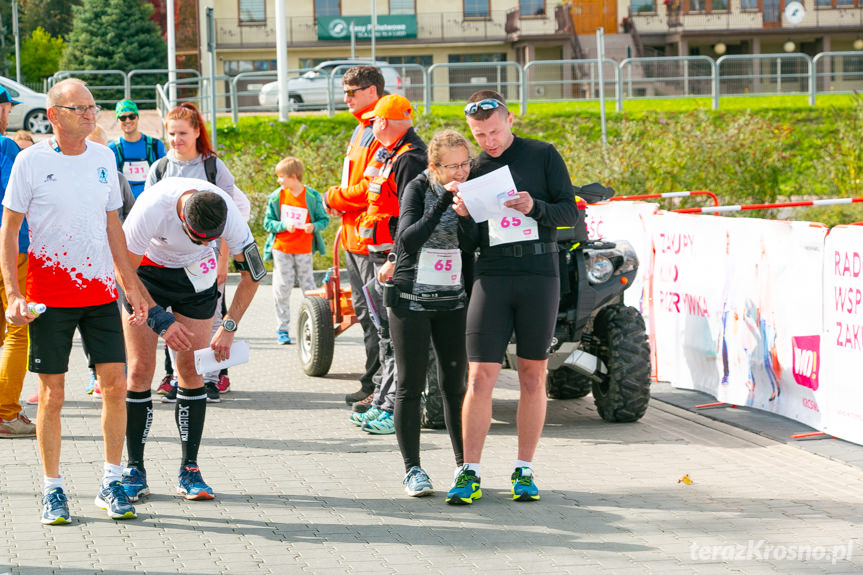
[127,117]
[487,104]
[349,92]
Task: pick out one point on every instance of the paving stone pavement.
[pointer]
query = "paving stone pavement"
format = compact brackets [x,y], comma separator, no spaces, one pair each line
[300,490]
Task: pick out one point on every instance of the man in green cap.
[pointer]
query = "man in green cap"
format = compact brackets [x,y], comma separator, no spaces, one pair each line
[135,151]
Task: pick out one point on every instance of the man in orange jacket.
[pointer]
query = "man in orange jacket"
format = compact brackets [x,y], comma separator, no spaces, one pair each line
[363,87]
[401,158]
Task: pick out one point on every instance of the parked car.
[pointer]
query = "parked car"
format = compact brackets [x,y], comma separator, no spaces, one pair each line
[30,113]
[311,92]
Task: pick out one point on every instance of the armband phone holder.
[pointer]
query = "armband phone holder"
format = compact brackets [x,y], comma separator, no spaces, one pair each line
[254,264]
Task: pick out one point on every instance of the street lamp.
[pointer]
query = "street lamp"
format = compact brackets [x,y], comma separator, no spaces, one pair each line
[789,46]
[720,48]
[858,44]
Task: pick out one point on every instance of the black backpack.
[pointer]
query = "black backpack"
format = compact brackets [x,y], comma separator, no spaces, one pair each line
[150,144]
[209,168]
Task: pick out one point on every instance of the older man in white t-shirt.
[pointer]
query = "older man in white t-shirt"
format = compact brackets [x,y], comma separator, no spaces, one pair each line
[68,190]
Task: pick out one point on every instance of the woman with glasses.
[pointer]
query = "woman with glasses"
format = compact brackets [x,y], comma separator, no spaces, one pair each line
[431,300]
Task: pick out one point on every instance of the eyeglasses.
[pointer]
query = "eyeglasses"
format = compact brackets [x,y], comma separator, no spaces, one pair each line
[454,167]
[487,104]
[81,110]
[350,92]
[127,117]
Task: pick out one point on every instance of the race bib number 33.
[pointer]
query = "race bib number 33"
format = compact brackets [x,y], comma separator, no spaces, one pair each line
[202,273]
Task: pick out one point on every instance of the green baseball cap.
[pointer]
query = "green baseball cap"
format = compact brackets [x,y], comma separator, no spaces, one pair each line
[124,106]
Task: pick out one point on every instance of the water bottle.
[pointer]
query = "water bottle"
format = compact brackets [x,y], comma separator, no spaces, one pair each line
[36,309]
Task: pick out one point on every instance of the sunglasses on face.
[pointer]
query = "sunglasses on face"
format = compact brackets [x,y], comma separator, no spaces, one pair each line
[127,117]
[350,92]
[487,104]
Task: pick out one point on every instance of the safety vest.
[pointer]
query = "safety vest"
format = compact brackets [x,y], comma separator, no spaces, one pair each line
[373,227]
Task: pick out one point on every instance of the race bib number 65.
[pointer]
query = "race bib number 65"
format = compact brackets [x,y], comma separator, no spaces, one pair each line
[509,229]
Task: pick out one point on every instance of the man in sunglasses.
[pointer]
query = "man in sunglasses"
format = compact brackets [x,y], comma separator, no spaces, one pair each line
[135,151]
[168,232]
[69,191]
[516,288]
[363,87]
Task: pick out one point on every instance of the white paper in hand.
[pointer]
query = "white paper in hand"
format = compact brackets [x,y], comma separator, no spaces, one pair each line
[205,359]
[484,196]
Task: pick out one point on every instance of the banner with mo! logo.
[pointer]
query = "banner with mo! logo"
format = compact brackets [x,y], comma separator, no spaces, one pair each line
[806,360]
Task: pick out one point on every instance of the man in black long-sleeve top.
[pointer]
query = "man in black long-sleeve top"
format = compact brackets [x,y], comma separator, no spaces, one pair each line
[516,287]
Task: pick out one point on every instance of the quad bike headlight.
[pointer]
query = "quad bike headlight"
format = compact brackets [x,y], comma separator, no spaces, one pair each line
[599,270]
[610,260]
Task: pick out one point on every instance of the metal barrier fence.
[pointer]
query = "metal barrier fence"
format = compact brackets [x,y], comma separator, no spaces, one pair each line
[124,87]
[537,81]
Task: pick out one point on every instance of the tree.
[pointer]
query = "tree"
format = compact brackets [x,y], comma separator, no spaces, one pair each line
[55,16]
[114,35]
[40,55]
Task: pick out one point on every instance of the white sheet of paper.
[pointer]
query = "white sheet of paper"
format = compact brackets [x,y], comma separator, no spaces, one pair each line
[484,196]
[205,359]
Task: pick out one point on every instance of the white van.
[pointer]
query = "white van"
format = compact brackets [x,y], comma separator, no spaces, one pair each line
[310,90]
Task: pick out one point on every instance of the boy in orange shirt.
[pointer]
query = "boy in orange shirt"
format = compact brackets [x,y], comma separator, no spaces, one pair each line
[294,219]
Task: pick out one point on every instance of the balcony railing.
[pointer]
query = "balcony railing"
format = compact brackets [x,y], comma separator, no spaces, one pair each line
[434,27]
[662,22]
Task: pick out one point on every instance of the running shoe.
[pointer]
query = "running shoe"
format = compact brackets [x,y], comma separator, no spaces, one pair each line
[33,399]
[171,396]
[135,483]
[283,337]
[212,392]
[523,487]
[97,390]
[382,425]
[359,419]
[114,500]
[191,484]
[224,384]
[417,482]
[165,387]
[92,385]
[55,508]
[465,489]
[21,426]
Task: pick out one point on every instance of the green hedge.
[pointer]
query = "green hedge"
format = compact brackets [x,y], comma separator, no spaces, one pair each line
[743,156]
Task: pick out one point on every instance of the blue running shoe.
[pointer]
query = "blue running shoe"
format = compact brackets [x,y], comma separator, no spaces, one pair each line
[284,338]
[465,489]
[55,508]
[135,483]
[92,385]
[114,500]
[383,425]
[523,487]
[191,484]
[359,419]
[417,482]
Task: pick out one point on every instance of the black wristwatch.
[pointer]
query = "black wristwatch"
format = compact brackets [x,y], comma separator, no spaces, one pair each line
[391,257]
[229,325]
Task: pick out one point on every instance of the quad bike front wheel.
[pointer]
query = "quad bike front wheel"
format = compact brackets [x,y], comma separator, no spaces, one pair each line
[623,393]
[565,383]
[317,337]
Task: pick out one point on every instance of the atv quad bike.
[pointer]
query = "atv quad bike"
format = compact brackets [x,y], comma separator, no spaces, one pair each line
[599,343]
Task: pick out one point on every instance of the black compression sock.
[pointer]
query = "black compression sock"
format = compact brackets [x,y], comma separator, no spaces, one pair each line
[139,416]
[189,415]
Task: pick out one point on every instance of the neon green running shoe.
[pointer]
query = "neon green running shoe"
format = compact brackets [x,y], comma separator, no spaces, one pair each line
[523,487]
[465,489]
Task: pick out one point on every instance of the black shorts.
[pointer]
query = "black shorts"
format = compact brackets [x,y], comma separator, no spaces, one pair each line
[51,336]
[171,288]
[500,304]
